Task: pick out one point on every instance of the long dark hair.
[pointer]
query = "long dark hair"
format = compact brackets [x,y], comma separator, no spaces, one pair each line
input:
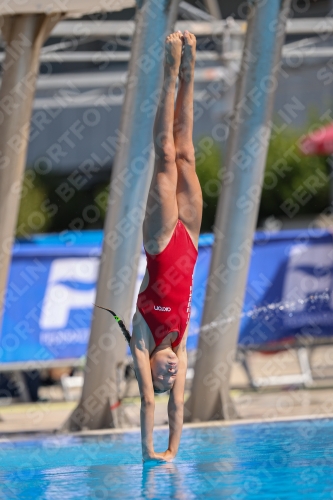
[120,322]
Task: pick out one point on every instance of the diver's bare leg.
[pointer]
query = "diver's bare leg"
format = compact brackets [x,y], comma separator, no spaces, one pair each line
[189,196]
[162,210]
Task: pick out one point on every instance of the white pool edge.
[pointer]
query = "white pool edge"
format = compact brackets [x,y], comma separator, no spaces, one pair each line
[215,423]
[195,425]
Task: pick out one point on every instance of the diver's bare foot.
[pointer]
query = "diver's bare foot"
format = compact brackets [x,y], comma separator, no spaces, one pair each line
[187,64]
[173,53]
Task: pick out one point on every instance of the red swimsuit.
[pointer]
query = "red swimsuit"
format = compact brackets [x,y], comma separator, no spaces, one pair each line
[166,302]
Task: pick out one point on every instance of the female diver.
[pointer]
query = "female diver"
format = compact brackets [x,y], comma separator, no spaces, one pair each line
[170,236]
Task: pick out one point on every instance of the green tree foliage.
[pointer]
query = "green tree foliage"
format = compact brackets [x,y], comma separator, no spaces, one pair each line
[33,214]
[101,197]
[294,184]
[51,203]
[209,170]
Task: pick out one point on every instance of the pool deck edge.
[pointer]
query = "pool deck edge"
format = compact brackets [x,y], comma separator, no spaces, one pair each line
[5,437]
[214,423]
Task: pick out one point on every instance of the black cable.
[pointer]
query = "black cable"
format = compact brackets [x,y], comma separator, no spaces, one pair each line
[120,322]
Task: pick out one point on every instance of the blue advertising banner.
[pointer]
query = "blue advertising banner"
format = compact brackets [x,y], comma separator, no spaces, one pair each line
[289,290]
[51,289]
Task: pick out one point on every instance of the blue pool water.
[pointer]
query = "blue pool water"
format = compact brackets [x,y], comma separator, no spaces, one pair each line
[267,461]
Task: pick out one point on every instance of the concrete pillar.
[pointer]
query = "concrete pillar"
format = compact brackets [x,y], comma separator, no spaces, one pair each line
[24,36]
[237,211]
[123,228]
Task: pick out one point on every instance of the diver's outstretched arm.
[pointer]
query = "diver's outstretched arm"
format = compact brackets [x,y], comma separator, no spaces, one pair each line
[140,352]
[176,401]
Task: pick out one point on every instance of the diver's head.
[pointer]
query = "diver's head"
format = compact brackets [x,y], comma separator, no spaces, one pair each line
[164,368]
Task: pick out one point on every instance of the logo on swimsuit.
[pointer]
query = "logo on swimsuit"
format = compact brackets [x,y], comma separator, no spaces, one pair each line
[160,308]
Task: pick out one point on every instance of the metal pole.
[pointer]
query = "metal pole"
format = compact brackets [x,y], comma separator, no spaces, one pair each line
[123,235]
[24,36]
[213,8]
[237,211]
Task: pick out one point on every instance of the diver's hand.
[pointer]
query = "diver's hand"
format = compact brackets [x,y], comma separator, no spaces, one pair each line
[166,456]
[151,455]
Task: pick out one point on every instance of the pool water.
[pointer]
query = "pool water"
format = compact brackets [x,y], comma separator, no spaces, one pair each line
[289,460]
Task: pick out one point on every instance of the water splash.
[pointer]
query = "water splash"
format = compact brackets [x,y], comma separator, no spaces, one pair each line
[316,301]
